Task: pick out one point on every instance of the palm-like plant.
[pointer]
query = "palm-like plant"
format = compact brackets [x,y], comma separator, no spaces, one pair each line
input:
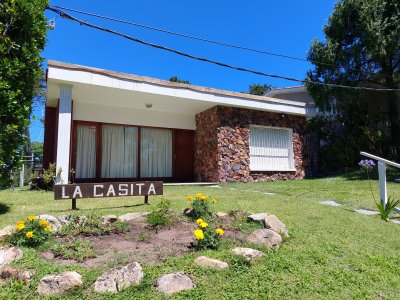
[385,210]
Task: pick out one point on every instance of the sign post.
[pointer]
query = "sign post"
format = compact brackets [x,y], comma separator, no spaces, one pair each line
[107,189]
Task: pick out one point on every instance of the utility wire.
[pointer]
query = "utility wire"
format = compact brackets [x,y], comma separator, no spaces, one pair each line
[81,22]
[204,39]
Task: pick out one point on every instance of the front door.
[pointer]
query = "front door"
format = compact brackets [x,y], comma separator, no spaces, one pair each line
[184,155]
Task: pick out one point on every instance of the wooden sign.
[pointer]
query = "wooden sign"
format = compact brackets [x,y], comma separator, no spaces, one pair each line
[107,189]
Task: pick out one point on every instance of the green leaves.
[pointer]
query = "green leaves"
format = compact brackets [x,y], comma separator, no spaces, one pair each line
[385,210]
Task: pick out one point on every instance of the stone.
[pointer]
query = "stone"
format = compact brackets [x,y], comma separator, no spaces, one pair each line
[59,283]
[397,222]
[272,222]
[215,186]
[188,212]
[48,255]
[119,278]
[257,217]
[108,219]
[6,231]
[9,255]
[266,237]
[330,203]
[204,261]
[248,253]
[366,212]
[139,216]
[221,215]
[16,274]
[53,221]
[174,282]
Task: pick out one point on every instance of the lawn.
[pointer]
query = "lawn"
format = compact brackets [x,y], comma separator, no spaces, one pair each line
[332,252]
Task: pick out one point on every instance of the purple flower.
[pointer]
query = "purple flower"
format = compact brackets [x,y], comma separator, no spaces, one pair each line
[367,164]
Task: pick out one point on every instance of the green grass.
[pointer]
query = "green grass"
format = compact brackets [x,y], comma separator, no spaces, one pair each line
[333,253]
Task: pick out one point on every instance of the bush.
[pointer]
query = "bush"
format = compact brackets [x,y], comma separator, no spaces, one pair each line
[161,216]
[76,249]
[200,206]
[206,236]
[31,233]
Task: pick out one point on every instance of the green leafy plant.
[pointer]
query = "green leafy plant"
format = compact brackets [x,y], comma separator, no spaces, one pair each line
[143,237]
[32,232]
[385,210]
[201,206]
[206,236]
[92,225]
[162,216]
[76,249]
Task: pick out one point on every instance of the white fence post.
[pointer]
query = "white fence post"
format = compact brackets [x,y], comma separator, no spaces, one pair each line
[22,175]
[382,182]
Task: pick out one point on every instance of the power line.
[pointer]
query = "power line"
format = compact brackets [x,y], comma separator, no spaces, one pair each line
[204,39]
[81,22]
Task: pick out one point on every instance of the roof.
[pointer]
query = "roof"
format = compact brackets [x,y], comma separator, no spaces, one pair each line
[286,90]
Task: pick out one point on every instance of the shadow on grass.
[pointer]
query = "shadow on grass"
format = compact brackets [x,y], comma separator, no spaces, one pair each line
[4,208]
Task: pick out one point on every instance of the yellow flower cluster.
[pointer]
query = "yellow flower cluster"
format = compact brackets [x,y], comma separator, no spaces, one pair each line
[47,228]
[29,234]
[199,234]
[201,223]
[200,196]
[20,225]
[219,231]
[43,223]
[31,218]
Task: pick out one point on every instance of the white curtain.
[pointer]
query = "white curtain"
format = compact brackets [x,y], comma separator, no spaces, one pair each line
[271,149]
[86,152]
[156,153]
[119,152]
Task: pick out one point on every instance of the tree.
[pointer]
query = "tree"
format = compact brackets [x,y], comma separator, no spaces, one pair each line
[361,48]
[259,89]
[23,29]
[177,79]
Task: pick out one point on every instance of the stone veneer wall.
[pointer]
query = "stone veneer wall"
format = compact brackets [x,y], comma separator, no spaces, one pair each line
[222,144]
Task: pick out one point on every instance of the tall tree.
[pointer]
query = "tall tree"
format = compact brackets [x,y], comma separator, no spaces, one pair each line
[259,89]
[23,29]
[361,48]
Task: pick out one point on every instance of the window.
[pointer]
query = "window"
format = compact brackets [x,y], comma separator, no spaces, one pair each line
[119,152]
[271,149]
[85,151]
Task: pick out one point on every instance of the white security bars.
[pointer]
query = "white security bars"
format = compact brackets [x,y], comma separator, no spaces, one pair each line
[382,175]
[271,149]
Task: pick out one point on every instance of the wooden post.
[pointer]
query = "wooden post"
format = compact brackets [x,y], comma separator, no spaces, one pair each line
[146,199]
[74,204]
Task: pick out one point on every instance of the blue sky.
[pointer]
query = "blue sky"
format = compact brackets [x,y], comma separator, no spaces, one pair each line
[286,27]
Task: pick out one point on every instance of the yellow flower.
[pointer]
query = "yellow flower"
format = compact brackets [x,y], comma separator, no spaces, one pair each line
[214,200]
[43,223]
[198,195]
[47,228]
[31,218]
[204,197]
[20,226]
[29,234]
[21,222]
[203,225]
[199,221]
[219,231]
[190,198]
[199,234]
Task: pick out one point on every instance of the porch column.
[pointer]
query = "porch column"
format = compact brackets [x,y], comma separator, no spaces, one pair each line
[64,133]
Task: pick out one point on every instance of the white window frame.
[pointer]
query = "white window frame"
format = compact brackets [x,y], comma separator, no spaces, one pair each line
[291,162]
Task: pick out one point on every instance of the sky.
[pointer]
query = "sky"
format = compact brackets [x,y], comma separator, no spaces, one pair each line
[286,27]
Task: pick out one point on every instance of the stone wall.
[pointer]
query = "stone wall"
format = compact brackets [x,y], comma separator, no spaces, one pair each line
[222,144]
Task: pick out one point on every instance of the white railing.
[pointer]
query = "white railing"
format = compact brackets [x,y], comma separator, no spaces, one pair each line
[382,175]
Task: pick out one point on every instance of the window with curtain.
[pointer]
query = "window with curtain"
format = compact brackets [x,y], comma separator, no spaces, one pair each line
[271,149]
[119,152]
[155,153]
[85,152]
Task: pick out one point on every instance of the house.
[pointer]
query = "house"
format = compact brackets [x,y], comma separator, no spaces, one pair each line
[111,126]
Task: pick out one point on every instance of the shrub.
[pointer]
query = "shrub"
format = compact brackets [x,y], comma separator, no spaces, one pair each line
[76,249]
[32,232]
[206,236]
[161,216]
[200,205]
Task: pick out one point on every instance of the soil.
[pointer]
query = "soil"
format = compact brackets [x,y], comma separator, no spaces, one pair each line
[143,244]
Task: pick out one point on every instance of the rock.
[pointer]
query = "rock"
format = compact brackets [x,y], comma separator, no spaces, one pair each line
[221,215]
[139,216]
[48,255]
[215,186]
[58,283]
[257,217]
[8,230]
[397,222]
[119,278]
[266,237]
[248,253]
[53,221]
[366,212]
[9,255]
[21,275]
[209,262]
[108,219]
[330,203]
[174,282]
[272,222]
[188,212]
[64,219]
